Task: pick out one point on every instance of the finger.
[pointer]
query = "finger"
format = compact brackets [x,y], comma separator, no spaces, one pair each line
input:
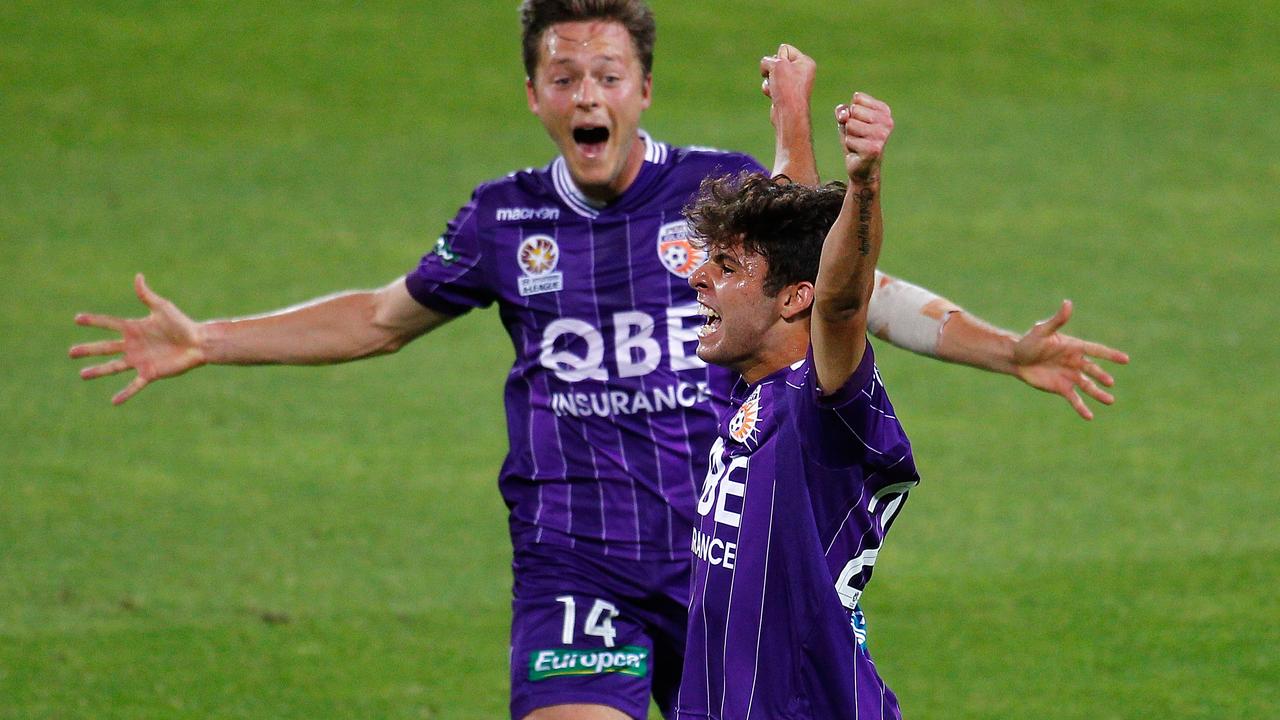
[788,52]
[102,347]
[1096,372]
[853,127]
[106,322]
[764,88]
[1094,391]
[1060,318]
[149,298]
[863,147]
[1099,350]
[866,114]
[107,368]
[767,64]
[1081,409]
[867,132]
[129,390]
[869,123]
[865,100]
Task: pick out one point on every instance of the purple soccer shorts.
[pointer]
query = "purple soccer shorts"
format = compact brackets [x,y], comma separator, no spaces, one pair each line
[592,629]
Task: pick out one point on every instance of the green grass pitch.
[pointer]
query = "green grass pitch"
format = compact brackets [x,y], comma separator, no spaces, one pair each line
[329,542]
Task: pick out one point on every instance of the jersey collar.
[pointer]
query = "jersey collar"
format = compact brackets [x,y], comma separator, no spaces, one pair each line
[655,153]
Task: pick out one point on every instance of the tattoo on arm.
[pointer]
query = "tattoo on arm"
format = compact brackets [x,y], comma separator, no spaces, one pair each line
[864,220]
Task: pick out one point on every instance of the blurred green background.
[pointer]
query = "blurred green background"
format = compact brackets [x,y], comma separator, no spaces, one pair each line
[299,543]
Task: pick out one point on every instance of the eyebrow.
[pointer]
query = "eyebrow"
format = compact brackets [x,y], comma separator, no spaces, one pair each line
[720,256]
[605,58]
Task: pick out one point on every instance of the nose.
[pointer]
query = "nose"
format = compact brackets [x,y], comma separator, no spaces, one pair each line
[698,280]
[588,95]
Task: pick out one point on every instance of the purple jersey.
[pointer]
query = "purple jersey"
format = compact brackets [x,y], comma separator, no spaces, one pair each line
[800,492]
[609,410]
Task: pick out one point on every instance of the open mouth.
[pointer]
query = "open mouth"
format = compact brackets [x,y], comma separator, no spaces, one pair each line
[712,322]
[591,140]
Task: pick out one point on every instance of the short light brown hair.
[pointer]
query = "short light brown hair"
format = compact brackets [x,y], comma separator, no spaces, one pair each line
[782,221]
[634,15]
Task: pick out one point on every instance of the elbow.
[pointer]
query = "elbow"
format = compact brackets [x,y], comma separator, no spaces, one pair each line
[389,344]
[385,336]
[840,308]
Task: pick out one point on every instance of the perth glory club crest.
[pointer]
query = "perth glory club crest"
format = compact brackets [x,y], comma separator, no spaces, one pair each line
[747,418]
[677,250]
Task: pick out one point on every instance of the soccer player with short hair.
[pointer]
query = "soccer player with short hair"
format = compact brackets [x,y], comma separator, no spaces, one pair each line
[607,404]
[811,467]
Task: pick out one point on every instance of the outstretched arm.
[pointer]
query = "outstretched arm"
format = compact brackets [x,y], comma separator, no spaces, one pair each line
[914,318]
[166,343]
[846,270]
[788,83]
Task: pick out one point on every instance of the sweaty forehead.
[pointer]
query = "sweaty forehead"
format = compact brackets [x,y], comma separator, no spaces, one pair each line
[587,40]
[752,263]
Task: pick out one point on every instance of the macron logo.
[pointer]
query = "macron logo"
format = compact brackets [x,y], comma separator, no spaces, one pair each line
[544,213]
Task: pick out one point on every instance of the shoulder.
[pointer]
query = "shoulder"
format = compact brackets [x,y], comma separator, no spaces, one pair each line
[708,160]
[528,182]
[858,394]
[518,195]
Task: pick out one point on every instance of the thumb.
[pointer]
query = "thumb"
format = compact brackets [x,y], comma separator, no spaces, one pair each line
[1055,323]
[145,294]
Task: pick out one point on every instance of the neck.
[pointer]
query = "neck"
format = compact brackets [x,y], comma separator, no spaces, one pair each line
[602,194]
[768,363]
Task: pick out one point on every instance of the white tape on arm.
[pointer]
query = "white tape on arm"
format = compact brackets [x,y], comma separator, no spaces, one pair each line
[907,315]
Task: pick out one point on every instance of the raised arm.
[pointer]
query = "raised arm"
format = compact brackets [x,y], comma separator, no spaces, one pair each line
[788,83]
[916,319]
[846,270]
[337,328]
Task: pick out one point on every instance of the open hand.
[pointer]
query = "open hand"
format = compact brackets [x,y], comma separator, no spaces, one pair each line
[1053,362]
[164,344]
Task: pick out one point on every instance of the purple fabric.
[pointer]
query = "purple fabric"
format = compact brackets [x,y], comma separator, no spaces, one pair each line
[610,659]
[609,411]
[800,493]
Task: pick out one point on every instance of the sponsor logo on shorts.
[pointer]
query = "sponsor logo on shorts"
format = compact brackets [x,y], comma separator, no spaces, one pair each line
[538,256]
[630,660]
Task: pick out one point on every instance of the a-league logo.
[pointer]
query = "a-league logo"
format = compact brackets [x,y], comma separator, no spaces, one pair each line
[677,251]
[538,256]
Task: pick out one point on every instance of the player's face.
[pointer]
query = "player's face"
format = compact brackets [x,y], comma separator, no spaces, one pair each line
[589,91]
[741,320]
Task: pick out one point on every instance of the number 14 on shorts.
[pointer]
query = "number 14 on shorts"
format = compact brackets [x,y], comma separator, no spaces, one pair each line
[599,622]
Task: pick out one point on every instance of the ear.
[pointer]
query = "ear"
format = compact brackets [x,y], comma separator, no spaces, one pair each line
[646,92]
[531,95]
[795,300]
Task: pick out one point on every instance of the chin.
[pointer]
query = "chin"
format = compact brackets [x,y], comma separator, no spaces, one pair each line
[709,356]
[599,175]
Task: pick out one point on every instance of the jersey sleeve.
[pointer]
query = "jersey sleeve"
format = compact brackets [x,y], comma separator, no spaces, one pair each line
[856,425]
[450,278]
[750,164]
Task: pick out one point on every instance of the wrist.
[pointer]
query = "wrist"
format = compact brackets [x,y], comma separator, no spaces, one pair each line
[206,339]
[792,119]
[867,187]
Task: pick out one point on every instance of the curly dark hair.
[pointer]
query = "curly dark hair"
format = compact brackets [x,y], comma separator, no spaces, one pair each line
[634,15]
[782,221]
